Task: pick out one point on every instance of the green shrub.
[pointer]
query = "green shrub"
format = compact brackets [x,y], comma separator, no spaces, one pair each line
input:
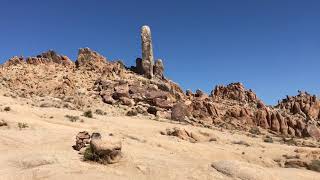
[72,118]
[268,139]
[88,114]
[100,112]
[22,125]
[89,155]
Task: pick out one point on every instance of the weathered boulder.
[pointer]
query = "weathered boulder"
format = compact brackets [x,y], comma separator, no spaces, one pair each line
[108,150]
[121,91]
[82,139]
[158,69]
[179,111]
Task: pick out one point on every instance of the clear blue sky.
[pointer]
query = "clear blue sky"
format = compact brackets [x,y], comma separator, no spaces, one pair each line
[271,46]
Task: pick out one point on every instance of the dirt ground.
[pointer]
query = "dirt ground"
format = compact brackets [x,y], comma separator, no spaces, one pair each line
[43,149]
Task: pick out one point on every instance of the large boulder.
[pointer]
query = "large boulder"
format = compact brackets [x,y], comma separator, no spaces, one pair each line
[179,112]
[107,150]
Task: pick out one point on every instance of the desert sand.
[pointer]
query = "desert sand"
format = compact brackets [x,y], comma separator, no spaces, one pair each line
[43,149]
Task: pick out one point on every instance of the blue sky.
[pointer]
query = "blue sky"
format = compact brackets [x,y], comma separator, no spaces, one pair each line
[272,47]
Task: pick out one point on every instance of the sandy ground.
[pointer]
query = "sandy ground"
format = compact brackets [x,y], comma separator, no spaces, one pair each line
[43,150]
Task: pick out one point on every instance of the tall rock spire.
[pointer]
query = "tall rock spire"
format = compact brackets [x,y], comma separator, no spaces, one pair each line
[147,52]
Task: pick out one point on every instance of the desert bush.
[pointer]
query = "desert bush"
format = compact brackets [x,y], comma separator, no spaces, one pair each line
[88,114]
[3,123]
[268,139]
[132,112]
[100,112]
[72,118]
[89,155]
[22,125]
[7,108]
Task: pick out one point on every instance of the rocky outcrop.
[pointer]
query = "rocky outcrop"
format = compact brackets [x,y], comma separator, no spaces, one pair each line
[49,57]
[305,104]
[14,61]
[90,60]
[234,91]
[158,69]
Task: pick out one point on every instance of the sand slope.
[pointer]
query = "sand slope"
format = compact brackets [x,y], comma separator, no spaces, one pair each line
[43,151]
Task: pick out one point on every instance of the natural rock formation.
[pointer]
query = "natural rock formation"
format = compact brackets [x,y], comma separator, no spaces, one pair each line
[89,59]
[147,52]
[179,112]
[49,57]
[82,139]
[158,69]
[190,136]
[234,91]
[107,150]
[53,80]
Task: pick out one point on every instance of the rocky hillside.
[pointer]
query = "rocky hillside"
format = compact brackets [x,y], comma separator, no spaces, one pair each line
[53,80]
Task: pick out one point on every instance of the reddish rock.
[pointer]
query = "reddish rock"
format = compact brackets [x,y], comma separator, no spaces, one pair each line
[179,111]
[90,60]
[121,91]
[275,125]
[162,103]
[234,91]
[82,139]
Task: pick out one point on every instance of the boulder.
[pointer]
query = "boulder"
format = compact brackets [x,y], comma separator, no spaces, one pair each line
[108,150]
[178,112]
[82,139]
[158,69]
[121,91]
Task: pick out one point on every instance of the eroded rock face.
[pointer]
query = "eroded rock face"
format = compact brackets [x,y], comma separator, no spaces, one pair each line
[90,59]
[49,57]
[234,91]
[14,61]
[305,104]
[158,69]
[147,52]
